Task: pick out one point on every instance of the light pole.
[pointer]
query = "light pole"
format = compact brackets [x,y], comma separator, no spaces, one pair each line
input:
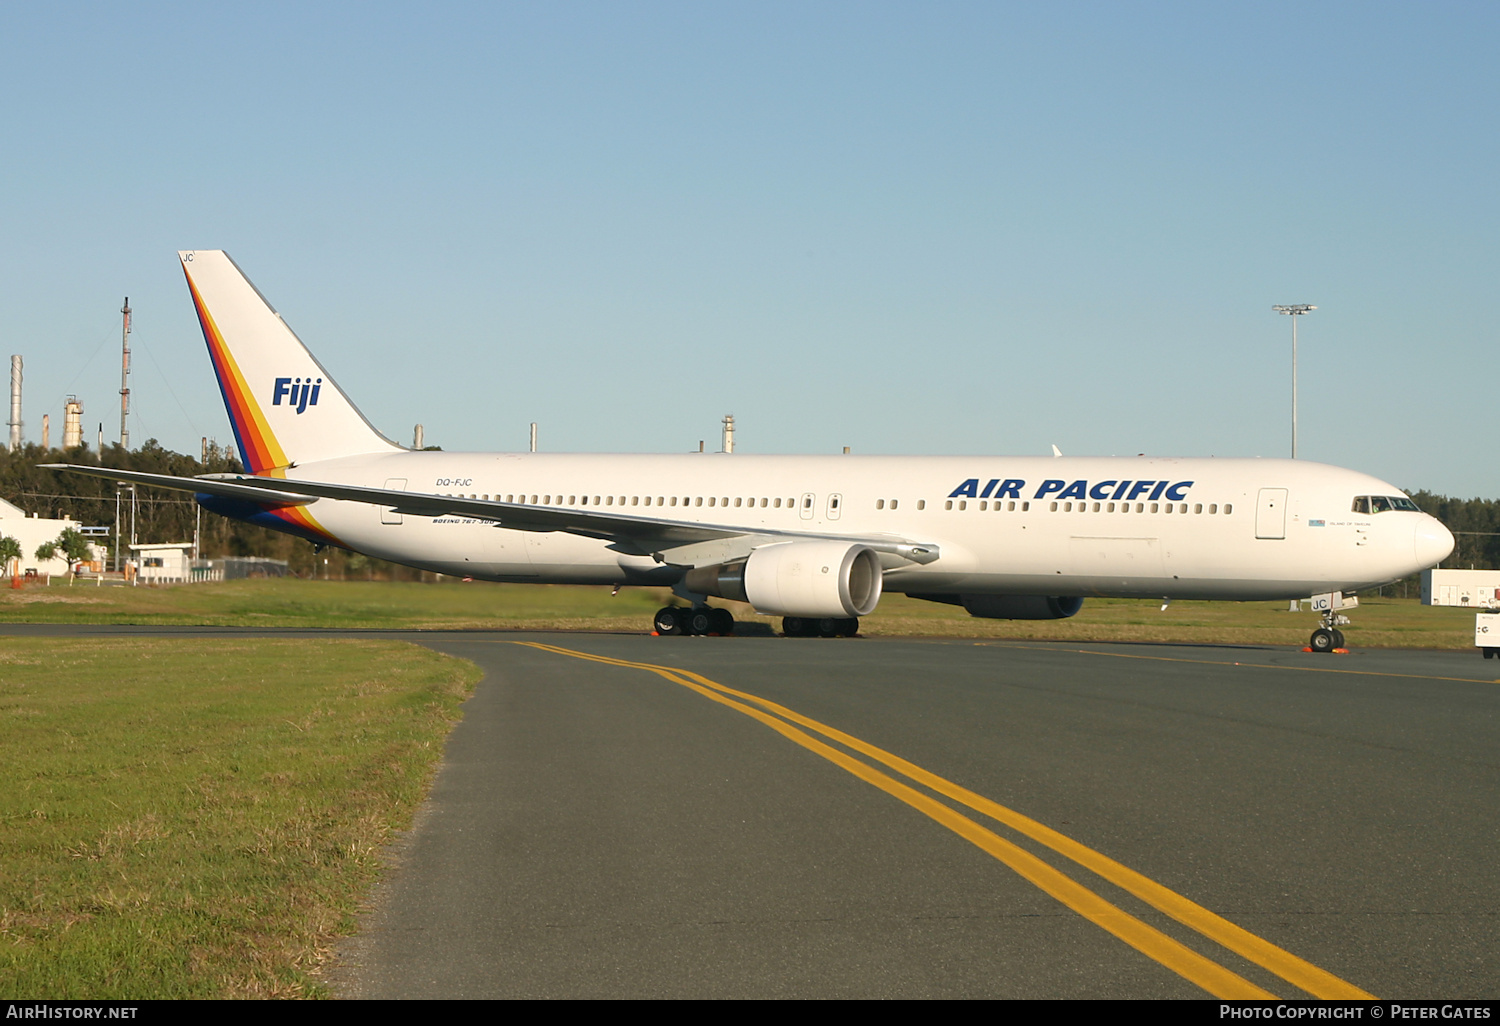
[1294,310]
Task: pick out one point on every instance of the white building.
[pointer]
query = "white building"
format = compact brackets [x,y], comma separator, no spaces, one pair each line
[163,563]
[33,532]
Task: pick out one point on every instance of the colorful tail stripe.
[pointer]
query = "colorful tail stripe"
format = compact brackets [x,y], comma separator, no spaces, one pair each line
[294,520]
[259,450]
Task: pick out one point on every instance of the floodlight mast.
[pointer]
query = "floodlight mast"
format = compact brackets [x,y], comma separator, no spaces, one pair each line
[1294,310]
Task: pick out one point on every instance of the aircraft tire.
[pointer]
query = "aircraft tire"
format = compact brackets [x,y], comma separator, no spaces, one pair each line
[667,622]
[721,622]
[828,627]
[699,621]
[794,627]
[1323,640]
[1338,638]
[849,628]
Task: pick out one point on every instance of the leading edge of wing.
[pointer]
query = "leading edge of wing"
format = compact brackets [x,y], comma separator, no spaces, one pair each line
[641,535]
[646,536]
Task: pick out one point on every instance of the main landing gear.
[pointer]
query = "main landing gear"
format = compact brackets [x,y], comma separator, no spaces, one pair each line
[827,627]
[674,620]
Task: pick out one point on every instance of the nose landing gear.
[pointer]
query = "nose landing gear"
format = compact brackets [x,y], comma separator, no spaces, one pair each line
[1328,637]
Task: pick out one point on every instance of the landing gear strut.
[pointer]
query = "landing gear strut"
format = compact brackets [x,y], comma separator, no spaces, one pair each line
[1328,637]
[674,620]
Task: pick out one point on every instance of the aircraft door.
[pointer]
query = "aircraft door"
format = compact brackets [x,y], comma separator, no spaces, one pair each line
[805,505]
[1270,513]
[388,515]
[834,502]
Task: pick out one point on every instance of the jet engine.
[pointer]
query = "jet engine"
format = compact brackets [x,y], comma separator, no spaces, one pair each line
[800,578]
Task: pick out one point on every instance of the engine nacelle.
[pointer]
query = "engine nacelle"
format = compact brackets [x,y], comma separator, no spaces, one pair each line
[1022,607]
[800,578]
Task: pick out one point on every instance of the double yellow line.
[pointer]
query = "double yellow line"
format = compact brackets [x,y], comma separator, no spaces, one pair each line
[1204,972]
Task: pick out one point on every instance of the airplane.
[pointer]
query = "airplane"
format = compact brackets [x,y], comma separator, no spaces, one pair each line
[815,540]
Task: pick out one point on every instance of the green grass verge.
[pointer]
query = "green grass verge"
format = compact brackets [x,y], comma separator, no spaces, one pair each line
[191,819]
[1378,622]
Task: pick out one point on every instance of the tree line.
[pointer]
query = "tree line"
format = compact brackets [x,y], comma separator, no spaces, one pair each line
[166,516]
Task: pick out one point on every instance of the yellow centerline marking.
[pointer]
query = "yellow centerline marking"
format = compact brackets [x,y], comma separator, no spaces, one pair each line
[1209,975]
[1220,662]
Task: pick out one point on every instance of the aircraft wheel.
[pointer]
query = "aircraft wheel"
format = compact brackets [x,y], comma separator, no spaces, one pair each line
[668,621]
[721,622]
[1489,653]
[1323,640]
[828,627]
[849,628]
[794,626]
[1338,638]
[699,621]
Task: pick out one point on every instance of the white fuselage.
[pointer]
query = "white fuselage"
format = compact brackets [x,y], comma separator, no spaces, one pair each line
[1142,526]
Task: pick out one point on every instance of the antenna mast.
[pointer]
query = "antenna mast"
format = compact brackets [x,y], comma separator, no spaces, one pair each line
[124,376]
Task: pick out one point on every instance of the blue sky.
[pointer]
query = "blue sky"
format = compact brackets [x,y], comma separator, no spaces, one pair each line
[907,228]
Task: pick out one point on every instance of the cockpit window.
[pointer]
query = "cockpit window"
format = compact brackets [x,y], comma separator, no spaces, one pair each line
[1383,504]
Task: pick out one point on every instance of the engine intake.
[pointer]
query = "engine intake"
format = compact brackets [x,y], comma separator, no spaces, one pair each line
[801,578]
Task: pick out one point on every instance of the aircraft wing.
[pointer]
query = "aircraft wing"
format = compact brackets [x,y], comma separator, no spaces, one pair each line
[677,542]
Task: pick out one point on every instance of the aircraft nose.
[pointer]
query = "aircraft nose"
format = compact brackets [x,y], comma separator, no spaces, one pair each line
[1432,542]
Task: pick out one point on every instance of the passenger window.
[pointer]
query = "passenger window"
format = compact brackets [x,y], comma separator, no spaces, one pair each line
[895,503]
[1213,507]
[1228,509]
[921,504]
[880,504]
[948,504]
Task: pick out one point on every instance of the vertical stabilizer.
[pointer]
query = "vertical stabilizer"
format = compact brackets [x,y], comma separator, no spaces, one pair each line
[284,407]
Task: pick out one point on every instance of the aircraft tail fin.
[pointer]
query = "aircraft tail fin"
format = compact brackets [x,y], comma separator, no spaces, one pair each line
[284,407]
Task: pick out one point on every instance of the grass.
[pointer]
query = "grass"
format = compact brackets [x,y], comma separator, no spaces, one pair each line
[1378,622]
[181,819]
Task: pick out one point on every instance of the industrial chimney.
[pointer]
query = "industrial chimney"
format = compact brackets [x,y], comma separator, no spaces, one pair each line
[15,403]
[72,423]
